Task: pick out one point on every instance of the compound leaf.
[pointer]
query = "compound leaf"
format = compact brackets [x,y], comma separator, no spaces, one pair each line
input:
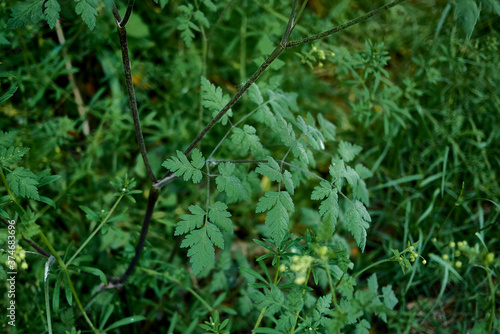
[230,183]
[214,99]
[26,13]
[357,219]
[278,204]
[23,183]
[182,167]
[52,9]
[191,221]
[88,12]
[11,155]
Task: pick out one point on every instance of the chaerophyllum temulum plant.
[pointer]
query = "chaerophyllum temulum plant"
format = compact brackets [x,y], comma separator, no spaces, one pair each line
[268,153]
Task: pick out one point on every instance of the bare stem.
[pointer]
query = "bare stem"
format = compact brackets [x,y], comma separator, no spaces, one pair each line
[122,32]
[153,197]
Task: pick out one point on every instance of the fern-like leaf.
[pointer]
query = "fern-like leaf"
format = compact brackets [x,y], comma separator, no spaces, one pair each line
[23,183]
[204,234]
[246,140]
[230,184]
[328,209]
[214,99]
[88,12]
[271,169]
[357,221]
[11,155]
[6,139]
[348,151]
[52,9]
[182,167]
[278,204]
[26,13]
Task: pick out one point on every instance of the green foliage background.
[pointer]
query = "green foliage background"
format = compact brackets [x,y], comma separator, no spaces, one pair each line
[408,99]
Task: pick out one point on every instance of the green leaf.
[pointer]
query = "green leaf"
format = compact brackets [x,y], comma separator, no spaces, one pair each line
[11,155]
[201,249]
[314,136]
[6,139]
[192,221]
[348,151]
[182,167]
[357,219]
[90,214]
[23,183]
[200,241]
[210,5]
[214,99]
[246,140]
[26,13]
[52,9]
[87,9]
[95,271]
[125,321]
[271,169]
[373,284]
[467,13]
[219,215]
[390,299]
[201,19]
[255,95]
[7,95]
[230,184]
[288,182]
[328,209]
[362,327]
[491,5]
[327,128]
[278,204]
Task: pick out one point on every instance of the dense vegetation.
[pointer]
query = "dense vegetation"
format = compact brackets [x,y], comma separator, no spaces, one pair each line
[247,173]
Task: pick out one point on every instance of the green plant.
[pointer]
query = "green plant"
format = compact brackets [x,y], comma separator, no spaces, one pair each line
[268,177]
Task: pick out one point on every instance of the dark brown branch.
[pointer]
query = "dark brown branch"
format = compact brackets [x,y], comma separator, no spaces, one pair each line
[290,25]
[122,32]
[153,197]
[343,26]
[130,6]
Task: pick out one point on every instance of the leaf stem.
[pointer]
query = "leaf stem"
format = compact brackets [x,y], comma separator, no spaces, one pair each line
[73,291]
[95,230]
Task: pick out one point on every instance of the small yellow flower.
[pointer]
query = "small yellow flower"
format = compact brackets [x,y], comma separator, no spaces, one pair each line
[300,280]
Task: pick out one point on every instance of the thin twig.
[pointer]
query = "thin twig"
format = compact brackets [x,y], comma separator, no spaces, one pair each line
[122,32]
[290,25]
[130,6]
[343,26]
